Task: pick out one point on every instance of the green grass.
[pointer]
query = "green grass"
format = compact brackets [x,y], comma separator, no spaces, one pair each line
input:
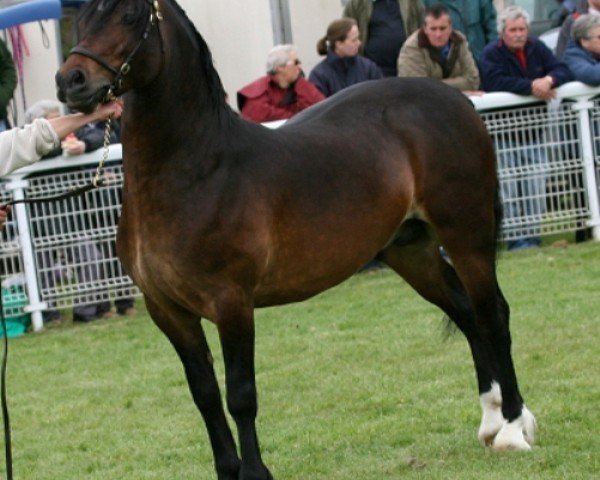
[360,383]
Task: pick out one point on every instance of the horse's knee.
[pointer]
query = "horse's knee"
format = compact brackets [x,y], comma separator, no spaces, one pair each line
[203,386]
[241,400]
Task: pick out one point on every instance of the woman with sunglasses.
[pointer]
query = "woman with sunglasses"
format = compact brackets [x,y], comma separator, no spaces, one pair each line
[281,93]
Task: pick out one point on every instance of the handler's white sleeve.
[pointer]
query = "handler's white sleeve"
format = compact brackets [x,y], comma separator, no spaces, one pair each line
[23,146]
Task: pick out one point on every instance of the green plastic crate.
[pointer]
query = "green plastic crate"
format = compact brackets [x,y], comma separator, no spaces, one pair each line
[13,301]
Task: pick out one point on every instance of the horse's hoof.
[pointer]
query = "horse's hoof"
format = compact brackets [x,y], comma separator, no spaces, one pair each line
[492,419]
[251,476]
[518,435]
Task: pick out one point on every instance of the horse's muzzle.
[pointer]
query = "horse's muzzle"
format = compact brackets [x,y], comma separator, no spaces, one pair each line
[76,90]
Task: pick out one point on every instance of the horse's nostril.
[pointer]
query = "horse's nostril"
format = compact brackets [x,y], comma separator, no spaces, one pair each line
[75,78]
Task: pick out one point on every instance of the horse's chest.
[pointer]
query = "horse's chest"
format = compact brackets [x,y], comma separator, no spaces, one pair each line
[144,261]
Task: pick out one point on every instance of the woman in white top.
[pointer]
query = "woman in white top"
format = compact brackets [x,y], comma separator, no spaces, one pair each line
[23,146]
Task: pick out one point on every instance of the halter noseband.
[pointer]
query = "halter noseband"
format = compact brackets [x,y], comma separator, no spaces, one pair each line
[119,74]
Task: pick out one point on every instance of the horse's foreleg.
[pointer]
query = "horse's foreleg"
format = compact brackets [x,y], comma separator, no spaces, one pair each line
[187,336]
[236,331]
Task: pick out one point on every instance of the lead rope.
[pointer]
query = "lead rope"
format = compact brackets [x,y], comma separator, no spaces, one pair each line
[97,181]
[5,417]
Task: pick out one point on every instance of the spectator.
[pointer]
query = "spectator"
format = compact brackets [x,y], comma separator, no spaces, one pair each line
[564,36]
[476,19]
[84,253]
[384,26]
[583,54]
[567,7]
[523,65]
[280,94]
[343,66]
[583,58]
[437,51]
[8,82]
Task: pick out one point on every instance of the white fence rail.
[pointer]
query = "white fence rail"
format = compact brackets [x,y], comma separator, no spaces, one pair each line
[63,253]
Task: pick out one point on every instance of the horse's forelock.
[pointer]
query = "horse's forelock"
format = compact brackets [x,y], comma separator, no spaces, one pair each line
[96,13]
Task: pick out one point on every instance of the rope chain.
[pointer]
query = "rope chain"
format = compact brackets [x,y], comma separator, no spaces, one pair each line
[97,181]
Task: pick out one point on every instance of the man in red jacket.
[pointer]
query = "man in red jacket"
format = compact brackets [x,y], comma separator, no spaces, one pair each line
[280,94]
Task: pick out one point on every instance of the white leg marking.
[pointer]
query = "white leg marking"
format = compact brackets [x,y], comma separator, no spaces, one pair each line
[529,425]
[492,419]
[518,434]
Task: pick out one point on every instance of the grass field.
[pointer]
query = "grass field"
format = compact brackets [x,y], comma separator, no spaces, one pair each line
[359,383]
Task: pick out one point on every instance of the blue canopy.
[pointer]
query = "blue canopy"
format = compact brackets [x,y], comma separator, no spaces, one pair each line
[73,3]
[16,12]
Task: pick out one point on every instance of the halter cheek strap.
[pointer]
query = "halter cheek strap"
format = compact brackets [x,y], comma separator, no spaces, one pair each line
[119,74]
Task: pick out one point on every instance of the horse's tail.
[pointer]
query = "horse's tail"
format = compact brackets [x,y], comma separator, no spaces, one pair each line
[498,216]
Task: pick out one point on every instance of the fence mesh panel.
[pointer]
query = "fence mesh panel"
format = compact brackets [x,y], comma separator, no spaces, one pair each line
[540,169]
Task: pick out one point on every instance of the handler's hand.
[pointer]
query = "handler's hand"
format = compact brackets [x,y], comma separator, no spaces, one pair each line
[110,109]
[4,211]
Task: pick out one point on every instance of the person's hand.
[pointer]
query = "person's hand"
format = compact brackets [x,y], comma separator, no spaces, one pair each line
[542,88]
[4,212]
[111,109]
[72,145]
[474,93]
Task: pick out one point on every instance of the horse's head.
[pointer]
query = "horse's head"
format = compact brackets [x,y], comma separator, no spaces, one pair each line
[119,48]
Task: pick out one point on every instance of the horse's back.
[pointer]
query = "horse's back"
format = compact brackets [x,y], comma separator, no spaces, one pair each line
[436,125]
[411,98]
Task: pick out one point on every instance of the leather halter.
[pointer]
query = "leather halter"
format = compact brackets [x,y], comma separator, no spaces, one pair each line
[120,73]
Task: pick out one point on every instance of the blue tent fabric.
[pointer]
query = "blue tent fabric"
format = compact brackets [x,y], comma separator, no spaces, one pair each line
[17,12]
[73,3]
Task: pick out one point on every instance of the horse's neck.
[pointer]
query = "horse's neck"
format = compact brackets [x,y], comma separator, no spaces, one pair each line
[163,131]
[183,109]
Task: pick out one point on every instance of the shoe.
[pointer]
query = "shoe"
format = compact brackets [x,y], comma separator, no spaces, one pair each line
[51,316]
[90,318]
[83,318]
[524,244]
[128,312]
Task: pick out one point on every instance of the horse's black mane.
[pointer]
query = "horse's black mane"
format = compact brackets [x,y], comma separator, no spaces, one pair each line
[217,91]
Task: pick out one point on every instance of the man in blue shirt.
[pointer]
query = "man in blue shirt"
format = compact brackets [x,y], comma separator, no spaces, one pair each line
[523,65]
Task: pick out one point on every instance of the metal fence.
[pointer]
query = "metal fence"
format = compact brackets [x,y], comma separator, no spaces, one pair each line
[62,254]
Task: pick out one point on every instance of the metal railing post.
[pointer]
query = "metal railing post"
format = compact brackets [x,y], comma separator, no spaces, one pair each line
[583,106]
[35,306]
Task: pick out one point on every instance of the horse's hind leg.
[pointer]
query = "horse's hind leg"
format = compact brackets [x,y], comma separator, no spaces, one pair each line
[187,336]
[473,255]
[415,256]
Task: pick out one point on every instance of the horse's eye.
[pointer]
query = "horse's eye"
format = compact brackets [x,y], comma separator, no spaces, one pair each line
[129,19]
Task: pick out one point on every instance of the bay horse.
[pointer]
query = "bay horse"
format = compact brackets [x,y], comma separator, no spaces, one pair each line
[221,216]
